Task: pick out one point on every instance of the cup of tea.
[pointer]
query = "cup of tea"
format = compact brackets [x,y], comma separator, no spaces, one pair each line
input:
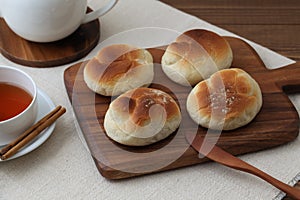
[48,20]
[18,107]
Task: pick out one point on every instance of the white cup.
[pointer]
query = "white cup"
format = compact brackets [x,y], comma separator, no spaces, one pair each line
[11,128]
[48,20]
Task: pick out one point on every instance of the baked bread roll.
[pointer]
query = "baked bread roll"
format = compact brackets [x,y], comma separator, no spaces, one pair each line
[119,68]
[141,116]
[229,99]
[195,56]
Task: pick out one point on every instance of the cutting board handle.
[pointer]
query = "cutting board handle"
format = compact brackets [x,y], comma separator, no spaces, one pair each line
[288,78]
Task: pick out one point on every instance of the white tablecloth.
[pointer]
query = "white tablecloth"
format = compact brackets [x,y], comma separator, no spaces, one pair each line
[62,168]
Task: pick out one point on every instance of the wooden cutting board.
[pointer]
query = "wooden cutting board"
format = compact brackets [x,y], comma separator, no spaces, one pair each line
[276,124]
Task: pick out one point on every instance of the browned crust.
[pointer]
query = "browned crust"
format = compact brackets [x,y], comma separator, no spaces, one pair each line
[139,101]
[215,46]
[113,62]
[227,94]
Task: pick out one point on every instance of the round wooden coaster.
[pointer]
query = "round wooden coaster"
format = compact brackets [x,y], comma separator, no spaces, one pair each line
[64,51]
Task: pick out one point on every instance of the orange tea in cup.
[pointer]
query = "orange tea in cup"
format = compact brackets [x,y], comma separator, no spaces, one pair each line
[13,100]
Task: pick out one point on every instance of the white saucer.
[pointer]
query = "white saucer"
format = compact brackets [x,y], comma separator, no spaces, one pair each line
[45,105]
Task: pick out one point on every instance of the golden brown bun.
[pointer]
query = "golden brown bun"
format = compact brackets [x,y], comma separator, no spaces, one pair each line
[119,68]
[142,116]
[229,99]
[195,56]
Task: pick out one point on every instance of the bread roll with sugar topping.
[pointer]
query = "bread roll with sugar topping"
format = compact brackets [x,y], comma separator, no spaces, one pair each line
[141,117]
[195,56]
[119,68]
[229,99]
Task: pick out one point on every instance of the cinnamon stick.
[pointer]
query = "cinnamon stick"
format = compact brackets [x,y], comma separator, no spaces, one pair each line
[31,133]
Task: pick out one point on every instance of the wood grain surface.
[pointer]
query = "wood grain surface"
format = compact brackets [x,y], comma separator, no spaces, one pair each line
[51,54]
[271,23]
[276,124]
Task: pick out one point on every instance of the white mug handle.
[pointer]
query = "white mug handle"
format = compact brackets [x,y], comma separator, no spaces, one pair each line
[97,13]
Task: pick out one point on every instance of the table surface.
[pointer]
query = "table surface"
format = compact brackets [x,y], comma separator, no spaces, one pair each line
[274,24]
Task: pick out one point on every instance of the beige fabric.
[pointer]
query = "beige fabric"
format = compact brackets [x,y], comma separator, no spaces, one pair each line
[62,168]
